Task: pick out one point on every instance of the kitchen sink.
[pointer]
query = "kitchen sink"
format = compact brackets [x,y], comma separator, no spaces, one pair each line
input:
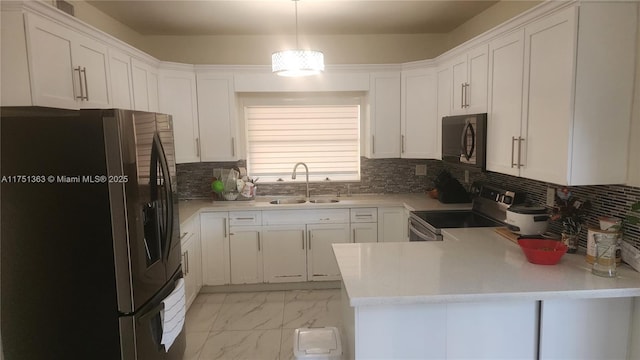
[287,201]
[323,201]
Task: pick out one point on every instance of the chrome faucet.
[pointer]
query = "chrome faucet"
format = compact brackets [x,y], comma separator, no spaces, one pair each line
[306,169]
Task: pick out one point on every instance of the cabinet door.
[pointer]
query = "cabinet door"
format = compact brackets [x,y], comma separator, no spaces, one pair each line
[321,262]
[492,330]
[458,85]
[364,232]
[121,81]
[506,58]
[179,99]
[284,254]
[549,54]
[245,253]
[585,328]
[392,225]
[92,57]
[54,83]
[419,139]
[190,291]
[214,235]
[217,117]
[477,75]
[384,117]
[145,86]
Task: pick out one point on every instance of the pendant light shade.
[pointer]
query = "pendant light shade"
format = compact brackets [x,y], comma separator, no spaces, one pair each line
[297,62]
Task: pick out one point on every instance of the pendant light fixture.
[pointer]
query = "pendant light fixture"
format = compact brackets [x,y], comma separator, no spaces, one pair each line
[297,62]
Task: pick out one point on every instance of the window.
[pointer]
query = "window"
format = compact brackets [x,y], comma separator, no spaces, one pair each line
[325,137]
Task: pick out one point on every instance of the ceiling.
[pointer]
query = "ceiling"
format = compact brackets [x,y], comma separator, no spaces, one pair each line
[276,17]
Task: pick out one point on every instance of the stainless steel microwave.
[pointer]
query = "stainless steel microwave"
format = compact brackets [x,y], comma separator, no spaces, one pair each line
[464,140]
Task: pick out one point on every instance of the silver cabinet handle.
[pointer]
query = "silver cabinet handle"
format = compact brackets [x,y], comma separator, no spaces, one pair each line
[259,249]
[466,95]
[309,240]
[198,147]
[188,267]
[224,226]
[86,87]
[462,96]
[245,218]
[402,143]
[354,235]
[513,145]
[520,140]
[184,262]
[79,70]
[302,239]
[373,144]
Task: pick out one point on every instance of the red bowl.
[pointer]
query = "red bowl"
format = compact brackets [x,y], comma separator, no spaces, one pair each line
[542,251]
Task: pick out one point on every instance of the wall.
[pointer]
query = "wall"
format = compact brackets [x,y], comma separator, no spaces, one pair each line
[634,143]
[491,17]
[257,50]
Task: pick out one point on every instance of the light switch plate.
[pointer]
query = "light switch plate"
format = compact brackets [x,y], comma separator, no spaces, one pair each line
[551,196]
[421,170]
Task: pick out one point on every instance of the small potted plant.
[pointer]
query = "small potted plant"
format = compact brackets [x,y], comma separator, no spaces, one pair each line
[572,212]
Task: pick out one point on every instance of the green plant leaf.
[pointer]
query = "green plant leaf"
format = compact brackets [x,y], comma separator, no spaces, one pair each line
[636,207]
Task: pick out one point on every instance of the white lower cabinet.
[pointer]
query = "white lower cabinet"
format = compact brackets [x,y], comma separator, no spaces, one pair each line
[191,259]
[321,262]
[214,232]
[284,253]
[245,253]
[392,224]
[586,328]
[364,225]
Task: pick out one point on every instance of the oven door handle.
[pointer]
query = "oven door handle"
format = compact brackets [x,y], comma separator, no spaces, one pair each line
[423,236]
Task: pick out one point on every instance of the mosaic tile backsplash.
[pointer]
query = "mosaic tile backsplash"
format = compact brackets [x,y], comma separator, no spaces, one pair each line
[384,176]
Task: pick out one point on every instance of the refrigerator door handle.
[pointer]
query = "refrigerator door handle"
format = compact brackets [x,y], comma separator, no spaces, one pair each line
[155,324]
[168,198]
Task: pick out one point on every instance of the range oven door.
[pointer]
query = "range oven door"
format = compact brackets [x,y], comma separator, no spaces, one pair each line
[419,232]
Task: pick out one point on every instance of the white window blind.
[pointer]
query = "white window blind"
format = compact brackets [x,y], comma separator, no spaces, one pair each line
[325,137]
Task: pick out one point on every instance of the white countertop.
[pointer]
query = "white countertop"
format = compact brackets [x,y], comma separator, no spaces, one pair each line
[472,264]
[188,208]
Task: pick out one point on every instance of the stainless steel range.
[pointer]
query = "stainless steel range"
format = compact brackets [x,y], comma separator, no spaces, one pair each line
[489,209]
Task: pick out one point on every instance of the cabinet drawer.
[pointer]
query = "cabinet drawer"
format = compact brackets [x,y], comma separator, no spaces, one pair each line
[245,218]
[364,215]
[293,217]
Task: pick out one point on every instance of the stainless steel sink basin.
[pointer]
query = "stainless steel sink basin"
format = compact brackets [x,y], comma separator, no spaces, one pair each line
[323,201]
[287,201]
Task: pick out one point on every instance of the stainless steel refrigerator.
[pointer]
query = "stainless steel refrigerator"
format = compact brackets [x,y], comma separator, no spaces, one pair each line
[89,235]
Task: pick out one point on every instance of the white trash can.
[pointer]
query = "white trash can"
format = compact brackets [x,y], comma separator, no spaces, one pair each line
[317,344]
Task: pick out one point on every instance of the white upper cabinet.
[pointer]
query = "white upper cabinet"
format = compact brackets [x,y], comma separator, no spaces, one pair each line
[443,90]
[217,117]
[418,123]
[121,79]
[145,86]
[577,97]
[506,71]
[179,99]
[469,82]
[67,69]
[383,140]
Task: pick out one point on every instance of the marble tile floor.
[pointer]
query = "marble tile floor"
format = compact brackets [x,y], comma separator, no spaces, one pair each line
[256,325]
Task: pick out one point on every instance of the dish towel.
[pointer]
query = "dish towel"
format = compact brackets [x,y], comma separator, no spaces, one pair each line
[173,315]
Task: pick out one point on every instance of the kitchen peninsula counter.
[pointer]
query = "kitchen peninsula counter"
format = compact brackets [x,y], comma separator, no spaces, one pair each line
[475,295]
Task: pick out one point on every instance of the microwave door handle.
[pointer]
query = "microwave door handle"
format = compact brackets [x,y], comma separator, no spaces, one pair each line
[466,151]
